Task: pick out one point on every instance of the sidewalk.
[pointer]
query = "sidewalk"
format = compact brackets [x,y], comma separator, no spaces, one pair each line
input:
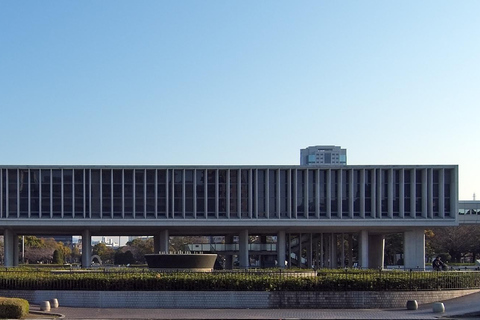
[455,307]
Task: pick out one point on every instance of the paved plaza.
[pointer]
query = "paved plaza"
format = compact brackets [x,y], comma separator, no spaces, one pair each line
[467,305]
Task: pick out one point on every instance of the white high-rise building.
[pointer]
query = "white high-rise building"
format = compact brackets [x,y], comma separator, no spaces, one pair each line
[323,155]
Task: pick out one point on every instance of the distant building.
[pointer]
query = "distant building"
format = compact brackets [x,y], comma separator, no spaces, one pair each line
[323,155]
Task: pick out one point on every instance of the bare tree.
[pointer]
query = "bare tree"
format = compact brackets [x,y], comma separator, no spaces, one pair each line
[456,241]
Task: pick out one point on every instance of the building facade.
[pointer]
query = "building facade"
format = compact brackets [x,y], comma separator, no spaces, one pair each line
[284,201]
[469,212]
[323,155]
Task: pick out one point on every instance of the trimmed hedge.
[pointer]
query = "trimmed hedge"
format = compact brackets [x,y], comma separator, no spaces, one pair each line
[13,308]
[238,281]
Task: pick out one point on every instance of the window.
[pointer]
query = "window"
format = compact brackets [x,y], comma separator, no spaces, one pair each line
[356,192]
[211,193]
[95,193]
[12,193]
[81,197]
[140,193]
[106,193]
[189,188]
[23,192]
[162,193]
[117,193]
[300,188]
[312,193]
[150,196]
[45,185]
[407,191]
[34,193]
[222,193]
[272,193]
[128,193]
[201,196]
[261,196]
[345,193]
[68,193]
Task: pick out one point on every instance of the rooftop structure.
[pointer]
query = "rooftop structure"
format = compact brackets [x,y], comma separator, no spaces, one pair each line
[323,155]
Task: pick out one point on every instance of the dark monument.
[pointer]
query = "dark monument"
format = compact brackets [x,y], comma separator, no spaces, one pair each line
[179,261]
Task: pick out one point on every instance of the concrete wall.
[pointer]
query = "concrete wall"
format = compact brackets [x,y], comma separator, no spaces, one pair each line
[235,300]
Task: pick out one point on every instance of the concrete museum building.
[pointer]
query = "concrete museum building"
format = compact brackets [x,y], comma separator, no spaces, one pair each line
[307,209]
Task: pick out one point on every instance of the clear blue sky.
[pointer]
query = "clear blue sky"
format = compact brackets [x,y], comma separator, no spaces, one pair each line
[240,82]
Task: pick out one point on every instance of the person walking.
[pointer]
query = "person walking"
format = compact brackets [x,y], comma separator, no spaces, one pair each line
[438,264]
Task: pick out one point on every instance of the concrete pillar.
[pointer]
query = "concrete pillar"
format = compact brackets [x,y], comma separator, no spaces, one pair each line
[310,252]
[86,248]
[322,250]
[263,239]
[281,249]
[327,251]
[376,249]
[161,242]
[289,258]
[156,243]
[350,250]
[363,249]
[244,260]
[8,247]
[16,251]
[333,250]
[342,263]
[263,259]
[299,253]
[414,249]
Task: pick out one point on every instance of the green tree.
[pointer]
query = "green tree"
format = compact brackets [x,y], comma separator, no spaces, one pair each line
[39,250]
[34,242]
[76,255]
[58,257]
[393,246]
[124,258]
[105,253]
[180,243]
[65,250]
[144,246]
[138,249]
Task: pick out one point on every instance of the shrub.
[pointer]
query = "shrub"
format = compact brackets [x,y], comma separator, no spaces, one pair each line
[58,257]
[137,279]
[13,308]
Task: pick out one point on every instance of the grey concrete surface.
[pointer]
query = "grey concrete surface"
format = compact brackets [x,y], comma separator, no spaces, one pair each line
[453,308]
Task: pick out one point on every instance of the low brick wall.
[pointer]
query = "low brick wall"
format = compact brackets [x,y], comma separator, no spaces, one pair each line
[360,299]
[235,299]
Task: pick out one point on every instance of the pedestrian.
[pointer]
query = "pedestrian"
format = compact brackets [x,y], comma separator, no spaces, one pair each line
[438,264]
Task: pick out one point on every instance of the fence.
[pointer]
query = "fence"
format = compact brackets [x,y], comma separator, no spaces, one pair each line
[144,280]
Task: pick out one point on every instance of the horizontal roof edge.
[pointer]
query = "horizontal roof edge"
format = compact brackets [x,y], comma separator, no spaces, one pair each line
[218,166]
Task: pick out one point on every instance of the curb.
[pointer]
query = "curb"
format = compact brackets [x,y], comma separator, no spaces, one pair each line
[53,314]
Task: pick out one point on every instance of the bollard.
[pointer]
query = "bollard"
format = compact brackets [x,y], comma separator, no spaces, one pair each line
[45,306]
[438,307]
[54,303]
[412,305]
